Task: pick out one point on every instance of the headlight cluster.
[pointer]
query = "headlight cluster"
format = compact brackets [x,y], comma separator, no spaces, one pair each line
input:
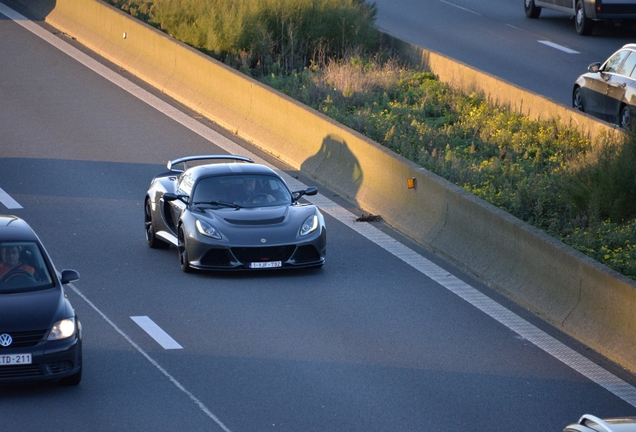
[207,230]
[62,329]
[310,225]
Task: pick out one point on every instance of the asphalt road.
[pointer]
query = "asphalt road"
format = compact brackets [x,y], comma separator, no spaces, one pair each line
[543,55]
[376,340]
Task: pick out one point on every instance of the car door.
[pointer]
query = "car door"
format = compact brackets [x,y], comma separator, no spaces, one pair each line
[596,90]
[177,207]
[617,85]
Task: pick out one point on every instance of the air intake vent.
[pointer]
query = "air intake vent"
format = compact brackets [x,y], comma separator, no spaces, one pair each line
[257,221]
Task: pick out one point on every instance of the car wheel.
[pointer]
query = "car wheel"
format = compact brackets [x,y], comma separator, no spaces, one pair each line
[183,253]
[577,99]
[72,380]
[532,11]
[151,238]
[584,25]
[625,121]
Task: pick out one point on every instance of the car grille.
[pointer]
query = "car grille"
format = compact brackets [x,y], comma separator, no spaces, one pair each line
[25,339]
[273,221]
[306,254]
[257,254]
[20,371]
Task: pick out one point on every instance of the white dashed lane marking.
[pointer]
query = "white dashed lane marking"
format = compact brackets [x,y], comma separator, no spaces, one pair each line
[8,202]
[156,332]
[559,47]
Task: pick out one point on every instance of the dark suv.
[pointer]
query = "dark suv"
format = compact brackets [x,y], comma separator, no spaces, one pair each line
[40,334]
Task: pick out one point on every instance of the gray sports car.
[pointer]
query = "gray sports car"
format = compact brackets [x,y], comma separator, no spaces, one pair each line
[232,214]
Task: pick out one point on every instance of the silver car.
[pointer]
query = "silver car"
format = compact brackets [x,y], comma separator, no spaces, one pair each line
[608,90]
[590,423]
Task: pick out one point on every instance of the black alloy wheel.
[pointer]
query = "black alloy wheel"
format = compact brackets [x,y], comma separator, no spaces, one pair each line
[151,238]
[577,99]
[625,120]
[184,262]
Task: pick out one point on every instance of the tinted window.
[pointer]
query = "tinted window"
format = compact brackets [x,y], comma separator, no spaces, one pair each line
[23,267]
[185,185]
[627,67]
[614,63]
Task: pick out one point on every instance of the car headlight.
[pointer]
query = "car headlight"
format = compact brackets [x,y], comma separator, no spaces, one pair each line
[310,225]
[207,230]
[62,329]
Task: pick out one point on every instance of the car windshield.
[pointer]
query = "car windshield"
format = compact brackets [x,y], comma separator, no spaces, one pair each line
[23,267]
[242,191]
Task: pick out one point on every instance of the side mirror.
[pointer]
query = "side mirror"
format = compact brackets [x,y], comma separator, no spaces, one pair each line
[312,190]
[69,276]
[594,67]
[169,196]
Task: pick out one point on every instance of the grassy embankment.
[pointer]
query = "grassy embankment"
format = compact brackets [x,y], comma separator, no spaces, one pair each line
[325,54]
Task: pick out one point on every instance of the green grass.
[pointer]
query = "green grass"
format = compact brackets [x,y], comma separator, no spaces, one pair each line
[546,174]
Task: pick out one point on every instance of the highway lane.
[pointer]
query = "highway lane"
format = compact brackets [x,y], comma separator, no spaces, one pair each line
[367,343]
[496,37]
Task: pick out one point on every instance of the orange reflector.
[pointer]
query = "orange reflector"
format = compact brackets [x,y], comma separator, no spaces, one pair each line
[411,183]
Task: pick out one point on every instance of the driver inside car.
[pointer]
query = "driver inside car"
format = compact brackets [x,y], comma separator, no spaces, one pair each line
[249,191]
[10,261]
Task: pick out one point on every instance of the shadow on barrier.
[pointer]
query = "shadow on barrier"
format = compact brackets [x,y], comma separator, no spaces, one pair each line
[337,165]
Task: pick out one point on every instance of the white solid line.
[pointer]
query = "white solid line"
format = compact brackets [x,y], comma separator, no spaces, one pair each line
[459,7]
[150,359]
[8,202]
[559,47]
[541,339]
[156,332]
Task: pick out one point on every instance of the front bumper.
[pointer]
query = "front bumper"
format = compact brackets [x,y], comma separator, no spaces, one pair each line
[51,360]
[210,256]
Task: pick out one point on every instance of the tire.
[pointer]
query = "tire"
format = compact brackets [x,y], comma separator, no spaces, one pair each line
[183,253]
[625,120]
[151,238]
[532,11]
[584,25]
[577,99]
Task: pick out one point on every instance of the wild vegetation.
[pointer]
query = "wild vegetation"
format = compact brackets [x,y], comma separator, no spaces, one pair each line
[325,54]
[257,35]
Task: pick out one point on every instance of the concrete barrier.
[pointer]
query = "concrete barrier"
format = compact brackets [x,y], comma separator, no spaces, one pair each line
[571,291]
[497,91]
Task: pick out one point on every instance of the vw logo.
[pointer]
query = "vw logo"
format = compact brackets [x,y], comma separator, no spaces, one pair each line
[5,340]
[263,240]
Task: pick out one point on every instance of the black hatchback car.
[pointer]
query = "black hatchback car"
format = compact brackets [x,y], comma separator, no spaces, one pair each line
[608,90]
[40,334]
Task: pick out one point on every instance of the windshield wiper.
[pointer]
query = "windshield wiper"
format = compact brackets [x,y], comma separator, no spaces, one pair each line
[219,203]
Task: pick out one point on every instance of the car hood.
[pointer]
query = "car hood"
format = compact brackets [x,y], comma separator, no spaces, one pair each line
[260,216]
[33,310]
[260,225]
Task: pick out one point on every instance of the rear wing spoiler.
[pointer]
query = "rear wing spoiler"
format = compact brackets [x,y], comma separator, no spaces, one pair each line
[186,159]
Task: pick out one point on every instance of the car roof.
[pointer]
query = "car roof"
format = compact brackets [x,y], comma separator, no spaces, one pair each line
[589,422]
[13,228]
[630,46]
[229,169]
